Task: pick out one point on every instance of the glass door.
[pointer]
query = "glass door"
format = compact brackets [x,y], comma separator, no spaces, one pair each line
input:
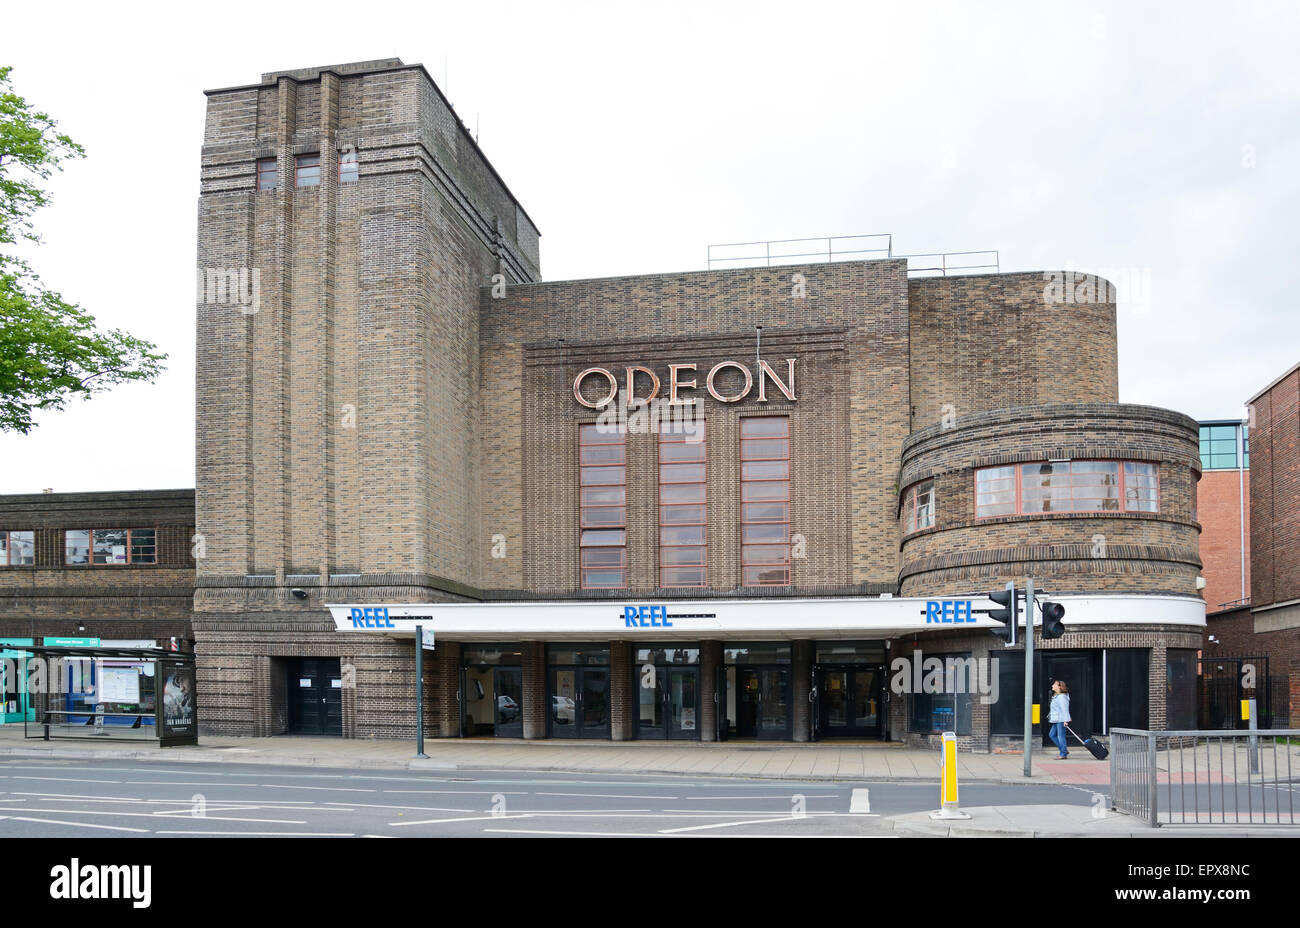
[851,701]
[683,713]
[774,703]
[579,702]
[508,688]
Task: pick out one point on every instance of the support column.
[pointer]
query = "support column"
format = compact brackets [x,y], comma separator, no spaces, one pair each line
[800,686]
[1157,688]
[622,695]
[446,722]
[535,707]
[710,708]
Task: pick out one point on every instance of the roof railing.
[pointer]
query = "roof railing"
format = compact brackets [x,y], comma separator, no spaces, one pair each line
[828,249]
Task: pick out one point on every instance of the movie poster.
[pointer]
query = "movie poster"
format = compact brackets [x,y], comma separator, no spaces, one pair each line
[178,714]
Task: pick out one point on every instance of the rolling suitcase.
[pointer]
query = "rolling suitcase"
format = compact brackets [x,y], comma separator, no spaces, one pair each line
[1097,749]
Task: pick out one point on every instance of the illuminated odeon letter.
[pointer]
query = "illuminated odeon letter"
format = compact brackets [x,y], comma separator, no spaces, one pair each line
[764,372]
[631,385]
[749,382]
[674,384]
[613,387]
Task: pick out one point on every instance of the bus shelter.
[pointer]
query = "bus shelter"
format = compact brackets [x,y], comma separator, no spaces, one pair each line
[109,694]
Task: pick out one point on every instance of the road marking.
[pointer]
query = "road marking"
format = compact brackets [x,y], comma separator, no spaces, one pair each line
[269,834]
[653,834]
[861,802]
[329,789]
[756,821]
[67,779]
[467,792]
[375,805]
[473,818]
[170,812]
[50,821]
[601,795]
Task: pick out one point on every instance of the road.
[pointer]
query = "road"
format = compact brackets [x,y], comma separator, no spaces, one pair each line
[119,798]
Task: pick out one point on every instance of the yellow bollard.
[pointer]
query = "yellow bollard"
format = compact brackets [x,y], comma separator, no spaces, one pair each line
[948,808]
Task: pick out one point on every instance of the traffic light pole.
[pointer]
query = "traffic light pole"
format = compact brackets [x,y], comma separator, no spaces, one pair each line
[1029,677]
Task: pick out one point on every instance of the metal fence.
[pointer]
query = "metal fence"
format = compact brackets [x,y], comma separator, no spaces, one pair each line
[829,249]
[1205,777]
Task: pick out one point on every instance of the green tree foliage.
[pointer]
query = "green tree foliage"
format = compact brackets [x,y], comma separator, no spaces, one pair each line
[50,350]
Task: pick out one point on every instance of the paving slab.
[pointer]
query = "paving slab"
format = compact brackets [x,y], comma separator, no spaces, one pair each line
[1064,821]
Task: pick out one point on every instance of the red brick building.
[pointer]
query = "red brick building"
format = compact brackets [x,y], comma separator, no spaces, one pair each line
[1223,509]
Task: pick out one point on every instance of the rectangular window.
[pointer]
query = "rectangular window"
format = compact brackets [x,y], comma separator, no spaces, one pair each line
[1067,486]
[1219,446]
[348,167]
[949,710]
[17,549]
[307,171]
[110,546]
[765,501]
[918,506]
[266,174]
[683,529]
[602,507]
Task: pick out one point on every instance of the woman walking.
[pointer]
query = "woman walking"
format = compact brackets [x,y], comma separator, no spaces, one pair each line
[1059,716]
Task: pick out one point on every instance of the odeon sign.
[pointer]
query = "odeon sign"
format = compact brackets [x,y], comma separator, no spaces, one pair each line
[677,383]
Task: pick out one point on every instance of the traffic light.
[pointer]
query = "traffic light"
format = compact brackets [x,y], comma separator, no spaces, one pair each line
[1009,614]
[1052,626]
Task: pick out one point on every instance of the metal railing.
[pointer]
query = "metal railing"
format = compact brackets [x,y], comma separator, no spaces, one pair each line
[1205,777]
[828,249]
[82,723]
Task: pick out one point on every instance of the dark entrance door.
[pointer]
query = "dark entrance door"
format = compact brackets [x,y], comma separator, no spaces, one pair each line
[1078,673]
[315,696]
[763,702]
[850,701]
[508,691]
[579,702]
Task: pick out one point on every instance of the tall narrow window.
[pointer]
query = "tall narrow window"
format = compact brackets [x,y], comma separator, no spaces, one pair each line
[918,506]
[17,549]
[683,533]
[308,171]
[765,501]
[348,167]
[602,470]
[266,174]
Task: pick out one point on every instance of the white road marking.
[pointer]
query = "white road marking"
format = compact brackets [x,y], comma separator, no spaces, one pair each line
[67,779]
[269,834]
[50,821]
[861,801]
[600,795]
[375,805]
[330,789]
[473,818]
[756,821]
[267,821]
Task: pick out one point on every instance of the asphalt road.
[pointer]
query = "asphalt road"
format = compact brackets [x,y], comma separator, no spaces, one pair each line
[118,798]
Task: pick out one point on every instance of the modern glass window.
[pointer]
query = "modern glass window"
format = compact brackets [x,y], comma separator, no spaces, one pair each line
[918,506]
[307,171]
[934,713]
[1219,446]
[765,501]
[1067,486]
[602,506]
[266,174]
[349,167]
[17,549]
[111,546]
[683,529]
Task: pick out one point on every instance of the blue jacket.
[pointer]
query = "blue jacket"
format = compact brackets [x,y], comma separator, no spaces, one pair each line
[1060,709]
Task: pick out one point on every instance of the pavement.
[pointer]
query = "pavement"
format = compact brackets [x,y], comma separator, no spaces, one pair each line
[838,761]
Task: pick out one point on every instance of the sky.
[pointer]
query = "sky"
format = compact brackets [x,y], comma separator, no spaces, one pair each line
[1156,144]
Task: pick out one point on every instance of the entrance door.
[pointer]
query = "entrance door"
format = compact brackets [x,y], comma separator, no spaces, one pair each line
[683,703]
[763,702]
[315,696]
[508,693]
[579,702]
[1076,671]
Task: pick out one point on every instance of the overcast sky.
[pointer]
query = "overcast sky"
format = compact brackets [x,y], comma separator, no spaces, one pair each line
[1158,143]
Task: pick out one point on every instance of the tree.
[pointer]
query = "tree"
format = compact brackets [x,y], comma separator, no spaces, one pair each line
[50,350]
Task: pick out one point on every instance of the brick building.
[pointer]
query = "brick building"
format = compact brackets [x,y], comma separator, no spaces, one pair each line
[1223,509]
[695,505]
[1269,624]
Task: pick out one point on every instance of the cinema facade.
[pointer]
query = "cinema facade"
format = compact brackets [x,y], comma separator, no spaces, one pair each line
[702,505]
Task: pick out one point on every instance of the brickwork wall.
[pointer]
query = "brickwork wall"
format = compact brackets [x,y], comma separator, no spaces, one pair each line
[623,706]
[850,334]
[988,341]
[1275,493]
[1219,509]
